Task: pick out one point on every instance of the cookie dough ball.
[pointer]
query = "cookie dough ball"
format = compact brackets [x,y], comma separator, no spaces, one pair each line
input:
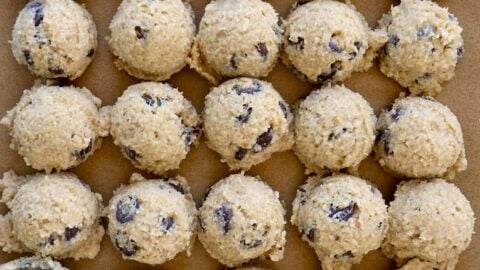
[152,39]
[56,128]
[246,121]
[417,264]
[151,221]
[50,215]
[334,130]
[325,41]
[424,46]
[54,38]
[342,217]
[34,263]
[429,220]
[155,126]
[237,38]
[242,219]
[420,138]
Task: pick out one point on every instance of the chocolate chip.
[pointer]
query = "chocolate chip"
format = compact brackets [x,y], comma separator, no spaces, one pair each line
[38,17]
[393,39]
[255,88]
[177,186]
[167,223]
[357,45]
[326,77]
[424,77]
[426,31]
[311,234]
[347,254]
[278,28]
[161,101]
[233,62]
[336,135]
[397,113]
[51,239]
[428,98]
[384,137]
[148,99]
[127,209]
[284,109]
[141,33]
[131,154]
[81,154]
[28,57]
[342,213]
[352,55]
[302,195]
[299,44]
[379,225]
[70,233]
[243,118]
[240,154]
[126,246]
[264,140]
[90,53]
[460,52]
[262,50]
[190,134]
[56,71]
[334,46]
[223,216]
[251,244]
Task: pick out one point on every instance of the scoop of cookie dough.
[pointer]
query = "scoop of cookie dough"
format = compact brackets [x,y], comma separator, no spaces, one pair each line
[242,219]
[342,217]
[56,128]
[334,130]
[154,125]
[151,221]
[325,41]
[32,263]
[152,39]
[246,121]
[237,38]
[420,138]
[50,215]
[429,220]
[54,38]
[424,46]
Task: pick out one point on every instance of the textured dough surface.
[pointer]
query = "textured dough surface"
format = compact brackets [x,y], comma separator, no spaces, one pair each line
[152,39]
[151,221]
[246,121]
[417,264]
[242,219]
[342,217]
[429,220]
[237,38]
[32,263]
[155,126]
[420,138]
[50,215]
[334,130]
[325,41]
[425,43]
[54,38]
[56,128]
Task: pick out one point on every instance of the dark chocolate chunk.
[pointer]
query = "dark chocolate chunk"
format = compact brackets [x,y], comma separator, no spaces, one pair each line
[81,154]
[326,77]
[393,39]
[264,140]
[127,209]
[426,31]
[141,32]
[223,216]
[52,238]
[342,213]
[177,186]
[56,71]
[240,154]
[38,9]
[90,53]
[302,195]
[251,244]
[278,28]
[190,134]
[148,100]
[357,45]
[460,52]
[250,90]
[167,223]
[424,77]
[163,100]
[352,55]
[397,113]
[311,233]
[126,246]
[284,109]
[384,137]
[262,50]
[334,46]
[131,154]
[299,44]
[379,225]
[70,233]
[428,98]
[28,57]
[347,254]
[246,115]
[233,62]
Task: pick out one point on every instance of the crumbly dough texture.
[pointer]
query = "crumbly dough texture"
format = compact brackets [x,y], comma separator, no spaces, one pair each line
[56,128]
[54,38]
[154,125]
[417,264]
[151,221]
[152,39]
[50,215]
[420,138]
[246,121]
[342,217]
[237,38]
[32,263]
[424,46]
[242,219]
[429,220]
[325,41]
[334,130]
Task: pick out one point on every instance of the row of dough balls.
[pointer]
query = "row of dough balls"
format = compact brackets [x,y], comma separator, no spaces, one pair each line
[245,120]
[323,41]
[241,218]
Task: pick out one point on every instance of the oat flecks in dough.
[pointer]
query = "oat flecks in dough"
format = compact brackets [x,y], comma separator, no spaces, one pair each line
[342,217]
[54,38]
[152,39]
[425,44]
[242,219]
[34,263]
[429,220]
[334,130]
[420,138]
[246,121]
[325,41]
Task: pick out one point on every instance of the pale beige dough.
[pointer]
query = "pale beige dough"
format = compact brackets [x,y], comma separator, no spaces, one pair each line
[342,217]
[152,39]
[32,263]
[151,221]
[431,221]
[237,38]
[325,41]
[425,44]
[334,130]
[246,121]
[154,125]
[420,138]
[56,128]
[242,219]
[54,38]
[50,215]
[417,264]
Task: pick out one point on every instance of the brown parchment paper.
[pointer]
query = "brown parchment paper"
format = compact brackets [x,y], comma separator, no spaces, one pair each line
[107,169]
